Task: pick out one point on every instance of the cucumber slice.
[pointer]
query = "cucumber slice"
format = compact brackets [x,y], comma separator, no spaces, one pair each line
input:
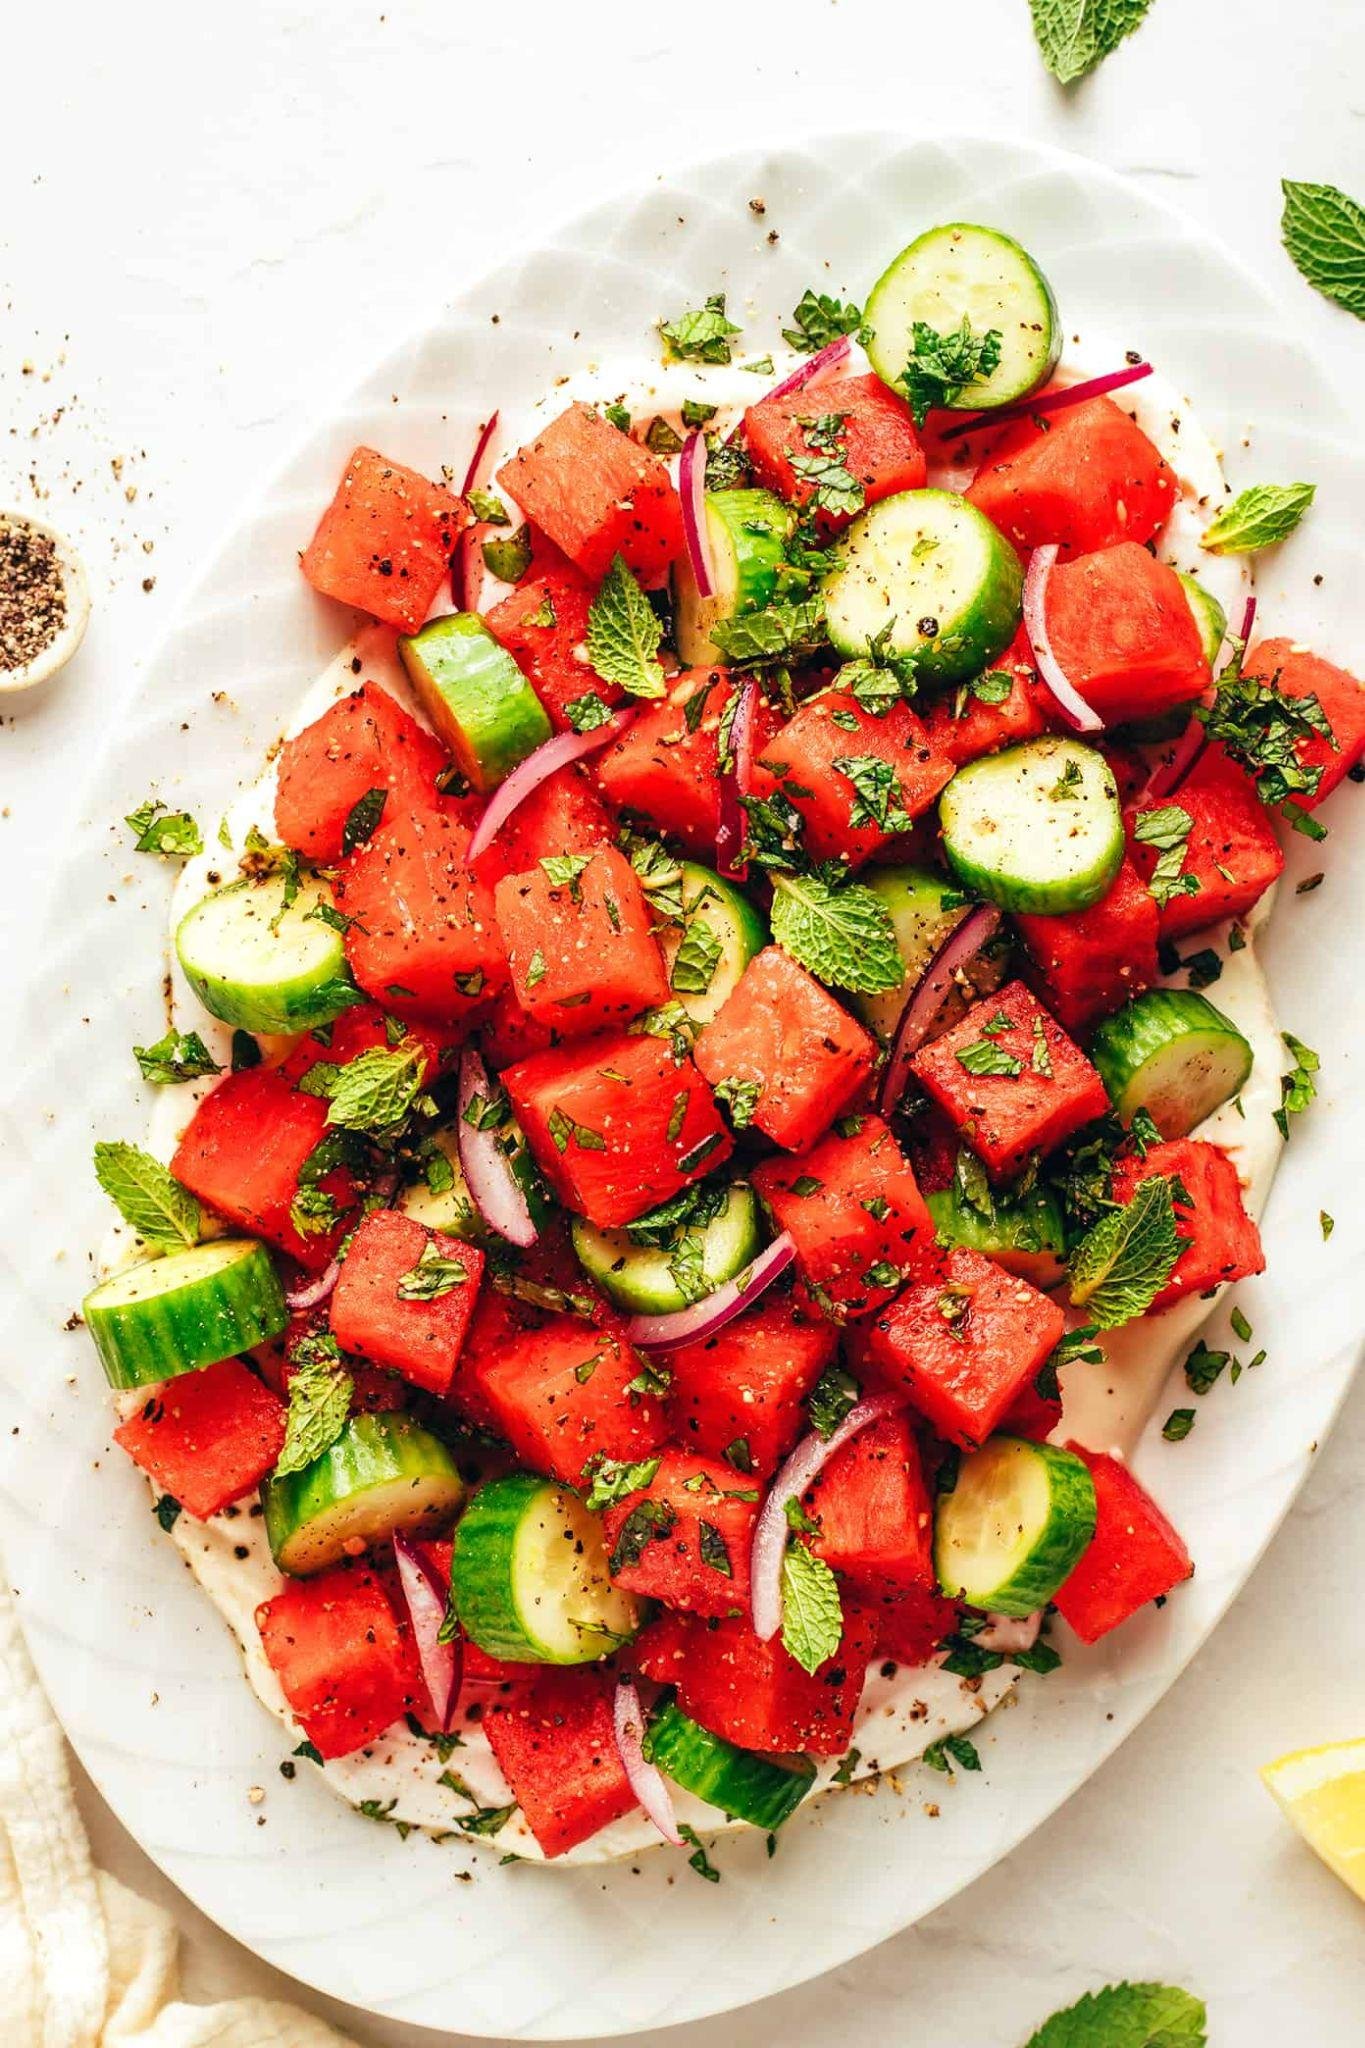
[746,534]
[730,919]
[1170,1052]
[1037,827]
[529,1578]
[963,272]
[742,1784]
[642,1278]
[1014,1526]
[925,573]
[261,966]
[476,697]
[915,900]
[1209,615]
[174,1314]
[384,1473]
[1024,1234]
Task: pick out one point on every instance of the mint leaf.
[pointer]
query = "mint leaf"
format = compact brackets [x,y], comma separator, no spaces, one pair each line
[941,366]
[1128,2016]
[508,558]
[433,1277]
[362,819]
[488,508]
[985,1058]
[1324,232]
[614,1478]
[373,1092]
[147,1196]
[740,1099]
[1123,1262]
[820,319]
[624,634]
[696,960]
[586,713]
[179,1056]
[830,1399]
[319,1401]
[812,1616]
[1258,517]
[1169,830]
[698,1860]
[562,870]
[647,1520]
[878,799]
[1261,727]
[702,336]
[781,633]
[843,935]
[1075,35]
[1297,1087]
[173,834]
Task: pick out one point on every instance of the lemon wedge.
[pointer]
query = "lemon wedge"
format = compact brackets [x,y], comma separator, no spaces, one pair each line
[1323,1792]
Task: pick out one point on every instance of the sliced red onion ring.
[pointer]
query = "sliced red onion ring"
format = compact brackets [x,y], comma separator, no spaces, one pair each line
[1070,702]
[460,581]
[1166,778]
[734,784]
[530,773]
[425,1598]
[962,944]
[646,1782]
[693,1325]
[810,1457]
[1008,1633]
[1050,401]
[692,492]
[317,1291]
[819,365]
[487,1169]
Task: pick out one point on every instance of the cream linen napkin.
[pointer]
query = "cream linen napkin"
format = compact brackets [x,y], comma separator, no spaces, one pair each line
[84,1962]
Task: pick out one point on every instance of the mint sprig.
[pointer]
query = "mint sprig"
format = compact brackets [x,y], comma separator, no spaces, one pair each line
[624,634]
[1258,517]
[1123,1261]
[812,1615]
[149,1198]
[1128,2016]
[1323,229]
[1076,35]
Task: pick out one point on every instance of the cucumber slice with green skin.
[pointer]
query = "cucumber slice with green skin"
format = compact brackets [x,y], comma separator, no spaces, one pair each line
[186,1310]
[640,1278]
[739,1782]
[1209,615]
[926,574]
[1037,827]
[1014,1526]
[1170,1052]
[261,966]
[732,920]
[915,902]
[452,1209]
[956,272]
[1025,1236]
[476,697]
[384,1473]
[746,533]
[529,1578]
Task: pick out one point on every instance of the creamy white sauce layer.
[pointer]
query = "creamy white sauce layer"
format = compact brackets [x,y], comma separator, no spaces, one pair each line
[1104,1406]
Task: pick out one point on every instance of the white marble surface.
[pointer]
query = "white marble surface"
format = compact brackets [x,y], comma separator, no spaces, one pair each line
[213,219]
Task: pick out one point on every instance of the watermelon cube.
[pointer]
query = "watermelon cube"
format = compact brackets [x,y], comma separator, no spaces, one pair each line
[1087,963]
[1231,852]
[563,814]
[385,541]
[962,725]
[1134,1556]
[243,1153]
[1086,477]
[875,1512]
[399,1313]
[598,494]
[685,1538]
[580,943]
[1222,1242]
[781,1030]
[617,1124]
[874,429]
[344,1664]
[554,1744]
[1122,629]
[361,743]
[965,1344]
[753,1693]
[1290,668]
[543,625]
[665,767]
[858,778]
[739,1394]
[857,1217]
[424,940]
[909,1626]
[207,1437]
[569,1392]
[1044,1090]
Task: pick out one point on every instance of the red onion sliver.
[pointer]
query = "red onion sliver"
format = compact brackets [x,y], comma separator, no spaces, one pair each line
[962,944]
[487,1169]
[628,1724]
[734,784]
[316,1292]
[1070,702]
[692,492]
[693,1325]
[1050,401]
[810,1457]
[530,773]
[460,582]
[819,365]
[1008,1633]
[425,1598]
[1167,776]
